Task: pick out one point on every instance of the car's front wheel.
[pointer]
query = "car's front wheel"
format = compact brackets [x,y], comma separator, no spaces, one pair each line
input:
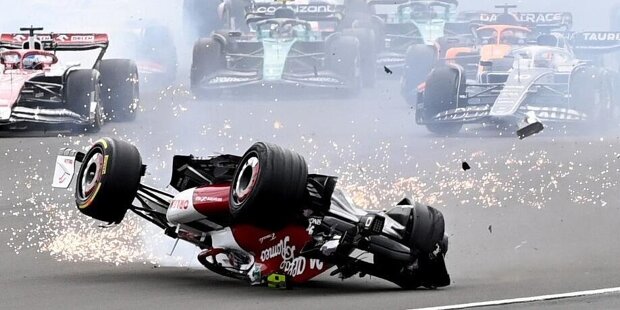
[442,92]
[83,96]
[108,180]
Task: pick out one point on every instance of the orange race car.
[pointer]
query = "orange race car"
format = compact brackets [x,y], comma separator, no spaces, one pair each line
[495,36]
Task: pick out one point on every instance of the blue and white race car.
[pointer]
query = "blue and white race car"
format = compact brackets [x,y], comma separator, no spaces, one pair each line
[547,83]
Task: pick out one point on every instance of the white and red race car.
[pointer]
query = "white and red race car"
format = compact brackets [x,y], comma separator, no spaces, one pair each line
[36,88]
[261,217]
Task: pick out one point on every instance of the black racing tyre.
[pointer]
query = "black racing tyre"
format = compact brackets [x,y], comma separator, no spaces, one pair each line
[427,229]
[368,54]
[108,180]
[208,57]
[268,186]
[425,226]
[419,62]
[443,89]
[82,89]
[344,58]
[120,88]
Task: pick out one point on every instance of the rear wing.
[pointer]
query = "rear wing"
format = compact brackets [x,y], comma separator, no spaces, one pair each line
[537,21]
[595,42]
[314,10]
[56,41]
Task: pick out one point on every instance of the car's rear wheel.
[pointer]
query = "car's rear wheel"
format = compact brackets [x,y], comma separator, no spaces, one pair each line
[83,96]
[368,54]
[419,61]
[208,58]
[268,185]
[120,88]
[442,92]
[344,58]
[108,180]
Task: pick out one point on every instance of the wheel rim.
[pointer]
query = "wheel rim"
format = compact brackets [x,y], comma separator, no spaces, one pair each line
[246,179]
[91,176]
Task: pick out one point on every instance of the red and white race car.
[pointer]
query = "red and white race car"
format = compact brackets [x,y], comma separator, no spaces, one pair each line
[261,217]
[36,88]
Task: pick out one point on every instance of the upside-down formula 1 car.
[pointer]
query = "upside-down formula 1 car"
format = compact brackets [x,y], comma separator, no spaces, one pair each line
[280,50]
[36,89]
[261,217]
[550,83]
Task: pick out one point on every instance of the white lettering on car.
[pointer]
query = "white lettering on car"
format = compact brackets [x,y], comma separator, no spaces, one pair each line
[279,249]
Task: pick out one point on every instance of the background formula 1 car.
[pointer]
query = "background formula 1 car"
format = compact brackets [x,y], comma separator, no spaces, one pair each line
[409,32]
[280,49]
[262,215]
[549,83]
[36,88]
[495,35]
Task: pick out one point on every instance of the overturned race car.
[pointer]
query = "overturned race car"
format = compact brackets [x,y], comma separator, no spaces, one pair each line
[261,217]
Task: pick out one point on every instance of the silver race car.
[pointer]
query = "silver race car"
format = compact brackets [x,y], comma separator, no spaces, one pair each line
[550,84]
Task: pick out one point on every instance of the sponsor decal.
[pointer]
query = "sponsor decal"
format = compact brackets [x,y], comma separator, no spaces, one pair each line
[19,38]
[208,199]
[601,36]
[227,79]
[280,249]
[83,38]
[269,237]
[316,264]
[181,204]
[294,267]
[291,266]
[313,221]
[313,9]
[322,79]
[532,18]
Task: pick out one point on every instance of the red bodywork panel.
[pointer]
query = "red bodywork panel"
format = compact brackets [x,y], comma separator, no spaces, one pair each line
[212,200]
[60,39]
[279,251]
[275,251]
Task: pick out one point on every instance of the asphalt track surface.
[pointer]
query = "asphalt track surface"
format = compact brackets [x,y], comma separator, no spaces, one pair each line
[532,217]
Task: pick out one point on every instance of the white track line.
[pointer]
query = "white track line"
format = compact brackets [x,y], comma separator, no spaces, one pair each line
[525,299]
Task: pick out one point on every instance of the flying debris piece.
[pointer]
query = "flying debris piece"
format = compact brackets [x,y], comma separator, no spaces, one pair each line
[532,126]
[466,166]
[387,70]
